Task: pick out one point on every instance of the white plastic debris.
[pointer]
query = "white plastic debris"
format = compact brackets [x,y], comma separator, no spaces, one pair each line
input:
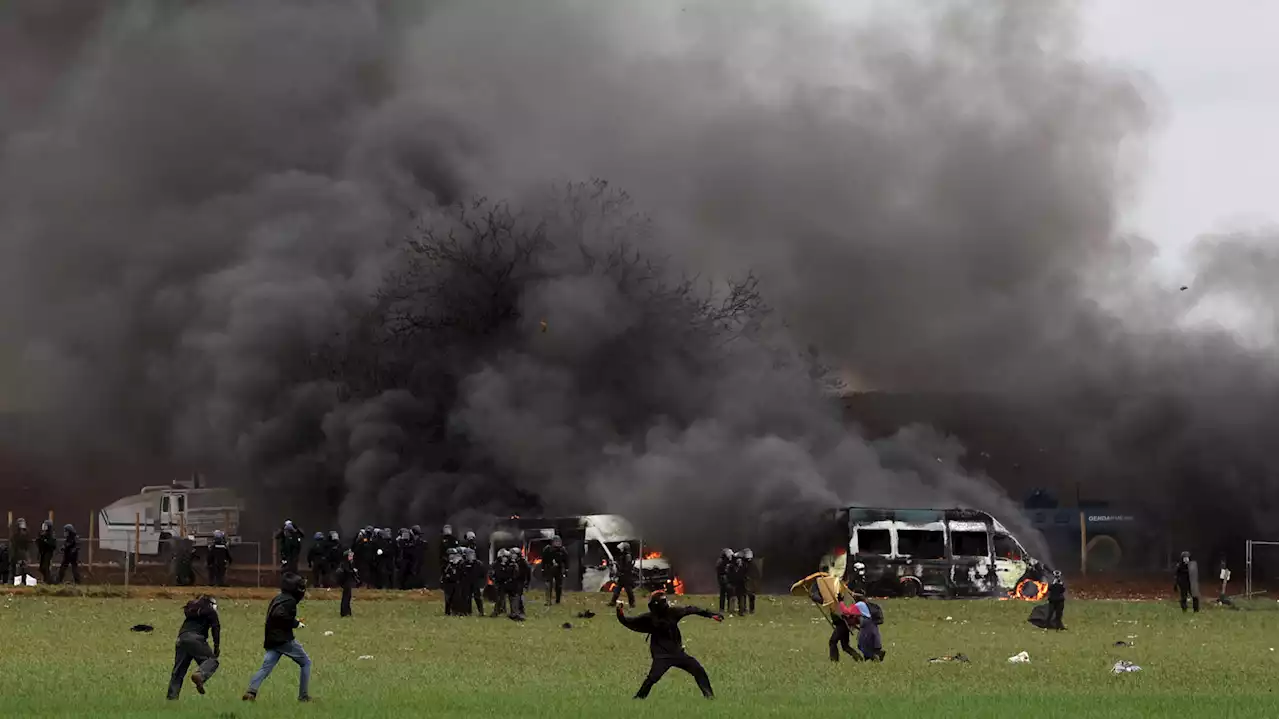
[25,580]
[1020,658]
[947,619]
[329,633]
[365,656]
[1125,667]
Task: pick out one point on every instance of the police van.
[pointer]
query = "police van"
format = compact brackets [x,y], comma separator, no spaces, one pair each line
[930,552]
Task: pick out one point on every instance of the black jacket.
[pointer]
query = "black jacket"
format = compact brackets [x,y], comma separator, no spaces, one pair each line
[555,561]
[46,543]
[71,546]
[1057,592]
[282,614]
[663,629]
[347,575]
[219,554]
[201,619]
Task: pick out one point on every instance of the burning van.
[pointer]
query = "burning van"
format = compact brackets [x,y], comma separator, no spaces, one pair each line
[592,543]
[932,552]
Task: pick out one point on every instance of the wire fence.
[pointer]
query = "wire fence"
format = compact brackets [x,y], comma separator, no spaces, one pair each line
[106,563]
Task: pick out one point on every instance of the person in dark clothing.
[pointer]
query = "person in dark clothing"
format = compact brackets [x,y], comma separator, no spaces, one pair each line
[468,540]
[447,542]
[278,639]
[218,558]
[363,548]
[722,576]
[347,578]
[842,616]
[1057,601]
[70,554]
[406,559]
[450,578]
[750,579]
[46,544]
[555,563]
[869,638]
[318,560]
[419,556]
[624,575]
[666,646]
[738,584]
[19,552]
[1186,579]
[184,561]
[201,619]
[334,553]
[473,576]
[501,573]
[383,558]
[524,577]
[289,545]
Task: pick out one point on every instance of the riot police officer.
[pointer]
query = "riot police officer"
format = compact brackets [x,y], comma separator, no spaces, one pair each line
[722,576]
[624,575]
[218,559]
[473,575]
[289,543]
[19,550]
[46,544]
[318,560]
[406,559]
[555,563]
[184,561]
[70,554]
[450,578]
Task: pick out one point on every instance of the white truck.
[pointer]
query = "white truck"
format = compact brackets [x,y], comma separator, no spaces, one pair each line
[160,513]
[592,543]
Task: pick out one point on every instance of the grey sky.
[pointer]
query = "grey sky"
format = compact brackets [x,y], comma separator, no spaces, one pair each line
[1212,160]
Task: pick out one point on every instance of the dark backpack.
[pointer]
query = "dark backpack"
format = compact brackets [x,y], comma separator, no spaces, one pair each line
[877,614]
[196,607]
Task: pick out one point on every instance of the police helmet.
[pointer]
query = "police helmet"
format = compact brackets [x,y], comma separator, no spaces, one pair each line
[747,554]
[624,547]
[318,536]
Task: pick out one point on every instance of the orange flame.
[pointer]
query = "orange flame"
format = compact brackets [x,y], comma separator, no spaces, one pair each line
[653,555]
[677,585]
[1030,590]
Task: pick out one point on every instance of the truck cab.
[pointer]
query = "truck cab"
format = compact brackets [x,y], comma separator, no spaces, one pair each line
[145,522]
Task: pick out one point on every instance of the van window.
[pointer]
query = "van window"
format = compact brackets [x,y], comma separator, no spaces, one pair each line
[921,544]
[182,503]
[164,503]
[595,554]
[873,541]
[1006,548]
[969,544]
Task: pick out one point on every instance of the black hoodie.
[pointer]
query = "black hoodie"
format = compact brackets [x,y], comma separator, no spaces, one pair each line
[282,615]
[663,628]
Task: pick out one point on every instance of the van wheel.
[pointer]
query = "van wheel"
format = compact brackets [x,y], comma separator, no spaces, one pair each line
[910,586]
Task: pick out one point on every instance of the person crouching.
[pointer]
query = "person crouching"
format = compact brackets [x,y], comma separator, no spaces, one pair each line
[201,619]
[868,637]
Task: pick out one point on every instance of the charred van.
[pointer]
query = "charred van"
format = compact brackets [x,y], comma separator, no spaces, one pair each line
[592,543]
[929,552]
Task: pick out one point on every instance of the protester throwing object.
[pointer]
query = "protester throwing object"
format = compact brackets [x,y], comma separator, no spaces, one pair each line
[666,646]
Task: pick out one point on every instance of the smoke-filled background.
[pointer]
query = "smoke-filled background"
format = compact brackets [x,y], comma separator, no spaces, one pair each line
[230,238]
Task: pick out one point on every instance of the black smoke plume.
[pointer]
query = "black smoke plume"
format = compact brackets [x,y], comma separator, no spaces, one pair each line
[246,236]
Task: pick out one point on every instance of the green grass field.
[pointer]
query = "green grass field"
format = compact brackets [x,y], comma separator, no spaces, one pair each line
[75,656]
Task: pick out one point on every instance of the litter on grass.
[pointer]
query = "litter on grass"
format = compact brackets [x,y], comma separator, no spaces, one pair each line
[945,658]
[1020,658]
[1123,667]
[365,656]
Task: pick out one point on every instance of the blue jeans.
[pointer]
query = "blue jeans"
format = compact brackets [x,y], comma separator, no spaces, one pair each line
[294,651]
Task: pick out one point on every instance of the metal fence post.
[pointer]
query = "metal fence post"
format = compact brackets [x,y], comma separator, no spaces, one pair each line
[1248,568]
